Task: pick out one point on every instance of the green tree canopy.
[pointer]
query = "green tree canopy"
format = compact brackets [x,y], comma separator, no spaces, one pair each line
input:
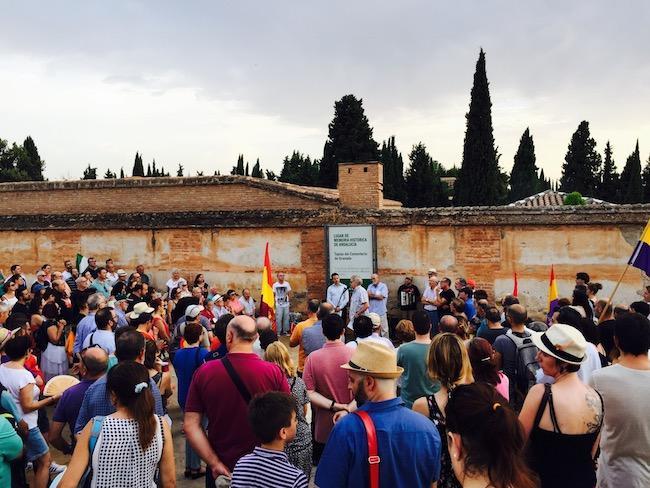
[394,183]
[90,173]
[179,171]
[631,185]
[257,170]
[138,167]
[349,139]
[480,180]
[581,164]
[524,180]
[31,165]
[608,179]
[423,185]
[299,170]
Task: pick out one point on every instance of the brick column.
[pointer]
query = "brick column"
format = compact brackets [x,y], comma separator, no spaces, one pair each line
[312,257]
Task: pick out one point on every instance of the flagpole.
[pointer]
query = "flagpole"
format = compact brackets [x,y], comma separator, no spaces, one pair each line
[611,297]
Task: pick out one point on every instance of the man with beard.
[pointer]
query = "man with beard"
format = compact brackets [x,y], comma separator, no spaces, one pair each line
[407,443]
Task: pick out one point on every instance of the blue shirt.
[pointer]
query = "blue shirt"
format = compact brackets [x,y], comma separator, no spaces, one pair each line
[85,327]
[97,401]
[313,338]
[186,361]
[408,445]
[378,306]
[470,309]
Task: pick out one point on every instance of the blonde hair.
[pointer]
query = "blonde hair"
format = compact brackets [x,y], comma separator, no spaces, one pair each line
[278,353]
[448,361]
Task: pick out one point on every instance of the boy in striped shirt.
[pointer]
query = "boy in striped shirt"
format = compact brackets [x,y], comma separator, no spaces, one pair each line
[273,418]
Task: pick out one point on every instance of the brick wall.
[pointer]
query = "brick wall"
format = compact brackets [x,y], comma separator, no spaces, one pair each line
[361,185]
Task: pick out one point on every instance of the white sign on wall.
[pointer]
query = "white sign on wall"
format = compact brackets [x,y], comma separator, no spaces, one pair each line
[351,250]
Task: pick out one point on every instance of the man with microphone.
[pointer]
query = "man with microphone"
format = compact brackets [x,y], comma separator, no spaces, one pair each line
[337,294]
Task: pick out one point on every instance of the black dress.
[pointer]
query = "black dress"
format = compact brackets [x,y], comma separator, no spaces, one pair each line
[561,460]
[447,476]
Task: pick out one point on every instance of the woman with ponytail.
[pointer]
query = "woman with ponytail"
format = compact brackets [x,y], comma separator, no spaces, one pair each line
[134,442]
[485,365]
[485,439]
[449,367]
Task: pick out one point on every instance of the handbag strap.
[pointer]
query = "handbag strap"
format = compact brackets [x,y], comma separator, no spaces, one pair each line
[236,379]
[373,454]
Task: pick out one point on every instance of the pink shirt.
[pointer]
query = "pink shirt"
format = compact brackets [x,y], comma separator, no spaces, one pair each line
[323,374]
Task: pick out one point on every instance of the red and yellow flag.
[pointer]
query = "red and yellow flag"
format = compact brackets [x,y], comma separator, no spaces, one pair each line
[267,303]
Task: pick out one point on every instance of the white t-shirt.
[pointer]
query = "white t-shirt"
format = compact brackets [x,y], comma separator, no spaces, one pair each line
[15,380]
[281,291]
[171,283]
[625,436]
[429,294]
[384,341]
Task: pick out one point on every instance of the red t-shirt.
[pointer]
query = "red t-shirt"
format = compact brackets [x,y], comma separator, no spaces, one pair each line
[213,394]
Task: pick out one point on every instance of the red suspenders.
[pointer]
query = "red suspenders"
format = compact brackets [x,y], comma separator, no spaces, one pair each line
[373,455]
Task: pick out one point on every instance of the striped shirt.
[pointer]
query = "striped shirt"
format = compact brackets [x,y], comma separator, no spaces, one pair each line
[264,468]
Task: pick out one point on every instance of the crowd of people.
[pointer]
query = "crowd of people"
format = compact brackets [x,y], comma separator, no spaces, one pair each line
[462,392]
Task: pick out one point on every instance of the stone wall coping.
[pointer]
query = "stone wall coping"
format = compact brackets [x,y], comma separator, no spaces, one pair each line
[326,195]
[436,217]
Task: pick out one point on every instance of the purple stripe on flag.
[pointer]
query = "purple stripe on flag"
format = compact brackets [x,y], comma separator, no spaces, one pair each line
[641,257]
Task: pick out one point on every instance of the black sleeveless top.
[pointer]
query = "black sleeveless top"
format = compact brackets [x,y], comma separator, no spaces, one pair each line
[562,460]
[447,477]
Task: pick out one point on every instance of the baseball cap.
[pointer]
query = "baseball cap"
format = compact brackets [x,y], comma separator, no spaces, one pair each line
[432,271]
[121,272]
[193,311]
[375,319]
[139,309]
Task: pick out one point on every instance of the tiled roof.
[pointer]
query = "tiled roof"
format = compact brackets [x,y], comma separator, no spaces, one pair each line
[552,198]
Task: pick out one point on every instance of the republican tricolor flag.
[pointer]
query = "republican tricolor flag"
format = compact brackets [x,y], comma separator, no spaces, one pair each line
[552,293]
[267,303]
[641,256]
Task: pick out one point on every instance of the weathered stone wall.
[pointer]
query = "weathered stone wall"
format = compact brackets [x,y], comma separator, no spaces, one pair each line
[487,244]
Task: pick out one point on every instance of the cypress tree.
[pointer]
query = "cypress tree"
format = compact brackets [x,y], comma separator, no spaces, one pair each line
[394,185]
[257,170]
[179,171]
[239,168]
[270,175]
[32,165]
[480,181]
[581,163]
[299,170]
[423,185]
[608,179]
[109,175]
[545,184]
[90,173]
[246,172]
[645,177]
[631,186]
[149,170]
[121,172]
[138,168]
[349,140]
[154,170]
[524,181]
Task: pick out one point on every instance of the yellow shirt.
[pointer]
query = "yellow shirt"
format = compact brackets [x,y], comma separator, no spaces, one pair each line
[296,339]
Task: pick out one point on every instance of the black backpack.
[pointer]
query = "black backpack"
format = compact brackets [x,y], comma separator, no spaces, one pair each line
[526,366]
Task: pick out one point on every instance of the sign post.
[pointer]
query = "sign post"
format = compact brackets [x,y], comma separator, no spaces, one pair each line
[351,250]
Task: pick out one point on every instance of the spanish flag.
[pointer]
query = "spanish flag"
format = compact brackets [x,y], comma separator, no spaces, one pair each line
[552,293]
[641,256]
[267,303]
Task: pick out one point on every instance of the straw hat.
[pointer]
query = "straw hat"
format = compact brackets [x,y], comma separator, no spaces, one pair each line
[59,384]
[374,359]
[6,335]
[563,342]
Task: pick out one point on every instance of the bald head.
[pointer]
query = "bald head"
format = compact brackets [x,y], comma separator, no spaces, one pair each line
[95,361]
[448,322]
[263,323]
[517,314]
[241,331]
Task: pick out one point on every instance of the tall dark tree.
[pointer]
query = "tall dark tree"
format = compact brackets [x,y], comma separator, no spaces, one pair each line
[299,170]
[631,185]
[391,158]
[149,170]
[608,179]
[109,175]
[257,170]
[645,177]
[480,181]
[239,168]
[11,159]
[545,183]
[581,163]
[121,172]
[179,171]
[90,173]
[32,165]
[349,139]
[423,185]
[138,167]
[524,181]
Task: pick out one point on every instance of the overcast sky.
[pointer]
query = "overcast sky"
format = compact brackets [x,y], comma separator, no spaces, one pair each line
[199,82]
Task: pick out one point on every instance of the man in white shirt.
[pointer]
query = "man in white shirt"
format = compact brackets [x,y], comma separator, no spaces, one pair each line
[281,290]
[337,294]
[378,298]
[429,298]
[358,300]
[248,302]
